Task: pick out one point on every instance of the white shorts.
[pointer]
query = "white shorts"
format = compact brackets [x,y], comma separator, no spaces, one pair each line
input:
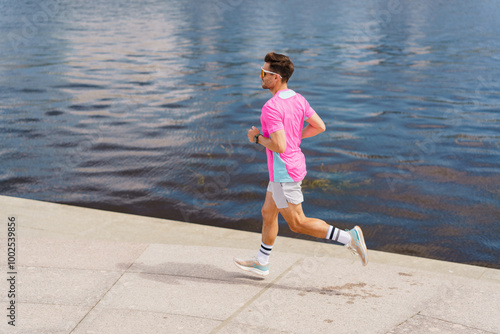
[286,192]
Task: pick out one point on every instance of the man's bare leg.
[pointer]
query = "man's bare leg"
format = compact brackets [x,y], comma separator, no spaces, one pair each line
[269,220]
[299,223]
[259,264]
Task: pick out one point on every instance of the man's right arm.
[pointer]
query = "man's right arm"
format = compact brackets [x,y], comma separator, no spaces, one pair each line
[276,141]
[314,127]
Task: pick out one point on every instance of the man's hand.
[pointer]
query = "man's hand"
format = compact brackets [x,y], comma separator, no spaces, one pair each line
[315,126]
[252,133]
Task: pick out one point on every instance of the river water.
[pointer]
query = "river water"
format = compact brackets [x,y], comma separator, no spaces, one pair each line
[143,107]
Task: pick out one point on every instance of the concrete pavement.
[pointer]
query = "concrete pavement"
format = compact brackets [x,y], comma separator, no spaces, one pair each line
[80,270]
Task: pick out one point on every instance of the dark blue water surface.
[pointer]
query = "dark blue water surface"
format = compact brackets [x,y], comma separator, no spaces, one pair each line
[143,107]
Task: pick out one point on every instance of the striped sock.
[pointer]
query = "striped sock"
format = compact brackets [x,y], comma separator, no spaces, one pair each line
[264,253]
[337,235]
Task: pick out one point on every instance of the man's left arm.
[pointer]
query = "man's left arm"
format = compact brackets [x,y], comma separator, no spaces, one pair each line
[314,127]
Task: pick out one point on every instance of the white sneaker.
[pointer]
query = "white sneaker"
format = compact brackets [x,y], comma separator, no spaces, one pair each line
[253,266]
[357,245]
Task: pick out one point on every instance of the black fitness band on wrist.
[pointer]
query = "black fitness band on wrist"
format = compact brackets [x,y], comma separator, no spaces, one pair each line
[256,140]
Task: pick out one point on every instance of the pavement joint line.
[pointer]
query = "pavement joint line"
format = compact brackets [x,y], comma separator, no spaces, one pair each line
[453,323]
[107,291]
[254,298]
[483,273]
[161,312]
[404,321]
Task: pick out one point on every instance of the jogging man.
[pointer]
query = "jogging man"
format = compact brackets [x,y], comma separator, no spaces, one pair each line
[282,121]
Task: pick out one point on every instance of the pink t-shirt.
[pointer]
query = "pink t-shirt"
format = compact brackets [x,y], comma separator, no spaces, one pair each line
[286,110]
